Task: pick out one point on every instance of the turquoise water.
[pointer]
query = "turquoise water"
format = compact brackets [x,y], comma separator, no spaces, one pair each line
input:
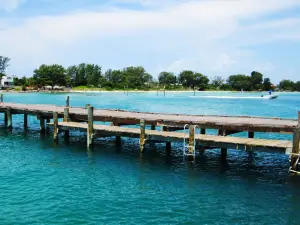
[46,183]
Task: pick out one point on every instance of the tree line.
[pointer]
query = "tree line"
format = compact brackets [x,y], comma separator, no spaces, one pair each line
[136,77]
[92,76]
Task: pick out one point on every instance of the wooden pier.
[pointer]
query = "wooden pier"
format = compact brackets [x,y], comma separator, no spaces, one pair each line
[66,118]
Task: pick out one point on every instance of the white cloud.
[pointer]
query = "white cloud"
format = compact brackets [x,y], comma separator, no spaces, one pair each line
[199,35]
[9,5]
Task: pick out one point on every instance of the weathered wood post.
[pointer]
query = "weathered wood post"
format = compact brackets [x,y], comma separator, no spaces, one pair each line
[296,143]
[191,147]
[153,127]
[194,92]
[223,150]
[142,136]
[9,117]
[118,138]
[68,101]
[25,119]
[164,91]
[203,132]
[55,126]
[90,130]
[1,98]
[5,118]
[168,143]
[66,114]
[250,134]
[66,119]
[42,123]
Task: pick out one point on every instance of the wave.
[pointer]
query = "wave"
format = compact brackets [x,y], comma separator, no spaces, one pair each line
[232,97]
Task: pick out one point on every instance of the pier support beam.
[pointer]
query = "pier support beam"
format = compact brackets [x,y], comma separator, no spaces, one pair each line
[9,117]
[118,138]
[296,147]
[223,150]
[90,130]
[1,98]
[192,143]
[67,118]
[25,119]
[168,143]
[202,148]
[142,136]
[250,134]
[42,124]
[55,126]
[68,101]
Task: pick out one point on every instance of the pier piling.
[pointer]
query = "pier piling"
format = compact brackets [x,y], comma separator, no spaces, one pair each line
[142,136]
[90,130]
[168,143]
[1,98]
[223,150]
[191,147]
[296,147]
[250,134]
[55,126]
[68,101]
[42,124]
[9,117]
[26,119]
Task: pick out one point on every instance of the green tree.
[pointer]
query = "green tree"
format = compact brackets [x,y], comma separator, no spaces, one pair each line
[297,86]
[286,85]
[192,80]
[217,82]
[256,80]
[92,74]
[50,75]
[136,77]
[167,78]
[240,82]
[115,79]
[267,85]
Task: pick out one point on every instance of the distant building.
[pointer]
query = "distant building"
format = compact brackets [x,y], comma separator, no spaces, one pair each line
[7,82]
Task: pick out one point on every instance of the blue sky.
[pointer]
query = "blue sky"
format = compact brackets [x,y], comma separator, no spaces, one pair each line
[214,37]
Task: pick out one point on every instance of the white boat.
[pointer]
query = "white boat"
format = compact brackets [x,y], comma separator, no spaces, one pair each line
[270,96]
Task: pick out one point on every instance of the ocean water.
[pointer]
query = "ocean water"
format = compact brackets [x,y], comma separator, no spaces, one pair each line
[46,183]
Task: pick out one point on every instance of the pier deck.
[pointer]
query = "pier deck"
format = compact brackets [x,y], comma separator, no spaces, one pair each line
[84,118]
[233,123]
[246,144]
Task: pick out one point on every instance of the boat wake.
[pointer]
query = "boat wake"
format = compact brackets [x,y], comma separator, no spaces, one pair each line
[237,97]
